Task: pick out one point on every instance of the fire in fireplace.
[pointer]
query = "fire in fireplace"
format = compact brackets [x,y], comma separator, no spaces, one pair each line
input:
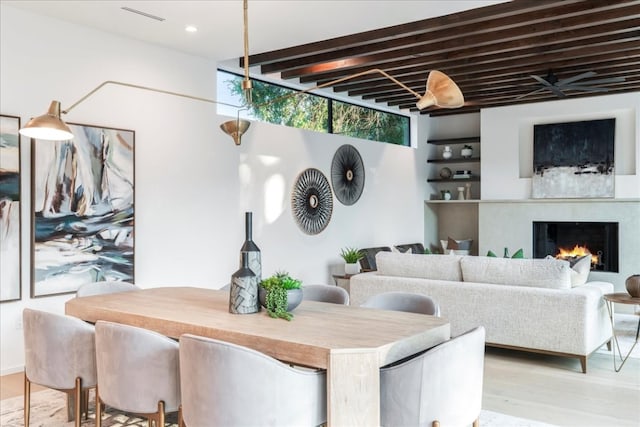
[571,240]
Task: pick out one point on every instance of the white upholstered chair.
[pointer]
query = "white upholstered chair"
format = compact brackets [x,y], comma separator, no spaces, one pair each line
[59,354]
[442,386]
[325,293]
[224,384]
[105,287]
[138,372]
[404,301]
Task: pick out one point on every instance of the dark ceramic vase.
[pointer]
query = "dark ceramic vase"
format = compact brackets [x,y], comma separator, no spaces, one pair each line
[250,248]
[243,293]
[633,285]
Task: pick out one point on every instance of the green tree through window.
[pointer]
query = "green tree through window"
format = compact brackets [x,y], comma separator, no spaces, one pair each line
[312,112]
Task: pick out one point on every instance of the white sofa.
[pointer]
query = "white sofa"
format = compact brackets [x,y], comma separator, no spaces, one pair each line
[525,304]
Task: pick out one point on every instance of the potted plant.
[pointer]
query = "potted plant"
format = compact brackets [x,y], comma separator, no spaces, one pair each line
[280,294]
[467,151]
[351,256]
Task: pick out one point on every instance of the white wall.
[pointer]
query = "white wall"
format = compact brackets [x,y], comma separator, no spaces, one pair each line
[192,184]
[507,142]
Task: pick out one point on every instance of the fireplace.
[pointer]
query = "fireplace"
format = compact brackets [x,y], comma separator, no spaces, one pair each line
[567,240]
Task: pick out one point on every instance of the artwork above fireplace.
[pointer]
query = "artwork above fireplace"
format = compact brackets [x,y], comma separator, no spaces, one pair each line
[574,159]
[570,240]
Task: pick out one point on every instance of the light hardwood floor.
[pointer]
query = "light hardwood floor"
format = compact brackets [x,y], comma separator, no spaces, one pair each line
[544,388]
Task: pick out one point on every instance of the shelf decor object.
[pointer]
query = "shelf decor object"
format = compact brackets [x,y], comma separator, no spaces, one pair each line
[243,294]
[347,174]
[312,201]
[250,248]
[10,207]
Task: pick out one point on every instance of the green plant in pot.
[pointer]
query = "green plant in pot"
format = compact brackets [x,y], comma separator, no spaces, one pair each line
[351,256]
[280,294]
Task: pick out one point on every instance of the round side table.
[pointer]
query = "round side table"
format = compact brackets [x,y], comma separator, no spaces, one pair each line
[620,298]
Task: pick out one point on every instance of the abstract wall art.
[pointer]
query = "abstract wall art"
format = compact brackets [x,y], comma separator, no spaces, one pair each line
[574,159]
[82,209]
[10,265]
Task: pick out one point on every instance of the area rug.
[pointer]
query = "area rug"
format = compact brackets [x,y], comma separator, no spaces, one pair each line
[48,410]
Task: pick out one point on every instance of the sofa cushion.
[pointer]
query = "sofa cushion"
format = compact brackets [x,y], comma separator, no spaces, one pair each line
[539,273]
[438,267]
[368,262]
[580,269]
[412,248]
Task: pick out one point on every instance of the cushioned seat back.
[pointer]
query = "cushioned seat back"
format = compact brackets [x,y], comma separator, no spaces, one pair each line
[137,368]
[106,287]
[224,384]
[404,301]
[414,248]
[325,293]
[58,349]
[437,267]
[538,273]
[368,262]
[443,384]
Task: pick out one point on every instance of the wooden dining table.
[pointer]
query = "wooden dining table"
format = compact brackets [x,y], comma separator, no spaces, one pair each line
[351,343]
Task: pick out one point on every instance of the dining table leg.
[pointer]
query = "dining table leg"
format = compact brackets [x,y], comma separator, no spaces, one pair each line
[353,388]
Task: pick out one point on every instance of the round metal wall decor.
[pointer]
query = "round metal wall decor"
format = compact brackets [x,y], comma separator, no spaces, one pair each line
[347,174]
[312,201]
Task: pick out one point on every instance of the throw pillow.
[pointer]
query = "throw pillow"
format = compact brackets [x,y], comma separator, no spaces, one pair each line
[580,269]
[397,250]
[452,244]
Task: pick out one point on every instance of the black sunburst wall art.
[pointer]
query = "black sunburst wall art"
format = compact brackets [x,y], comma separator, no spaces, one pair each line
[312,201]
[347,174]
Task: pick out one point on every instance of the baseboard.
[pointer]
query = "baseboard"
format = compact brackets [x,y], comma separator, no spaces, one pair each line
[13,370]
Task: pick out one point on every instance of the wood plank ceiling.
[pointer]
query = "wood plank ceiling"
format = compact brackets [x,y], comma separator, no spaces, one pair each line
[490,52]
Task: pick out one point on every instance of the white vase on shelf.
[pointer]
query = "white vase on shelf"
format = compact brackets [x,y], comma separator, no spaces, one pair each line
[446,152]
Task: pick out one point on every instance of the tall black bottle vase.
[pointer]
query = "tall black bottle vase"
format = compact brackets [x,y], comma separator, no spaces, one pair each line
[250,248]
[243,294]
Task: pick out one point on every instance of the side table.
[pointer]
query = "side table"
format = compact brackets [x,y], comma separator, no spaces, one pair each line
[343,280]
[620,298]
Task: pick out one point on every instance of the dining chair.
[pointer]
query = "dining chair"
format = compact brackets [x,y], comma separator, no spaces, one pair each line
[138,372]
[404,301]
[225,384]
[325,293]
[442,386]
[105,287]
[59,353]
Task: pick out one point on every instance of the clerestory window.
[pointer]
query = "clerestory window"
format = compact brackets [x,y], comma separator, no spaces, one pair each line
[313,112]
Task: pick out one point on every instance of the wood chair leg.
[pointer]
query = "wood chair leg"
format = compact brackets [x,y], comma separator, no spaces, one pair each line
[27,400]
[609,345]
[77,397]
[436,423]
[157,419]
[476,422]
[180,419]
[98,409]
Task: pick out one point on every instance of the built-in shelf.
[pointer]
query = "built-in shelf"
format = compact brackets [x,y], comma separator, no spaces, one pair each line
[458,160]
[454,141]
[473,178]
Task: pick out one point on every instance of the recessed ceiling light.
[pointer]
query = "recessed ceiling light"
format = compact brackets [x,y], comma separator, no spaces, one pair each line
[190,29]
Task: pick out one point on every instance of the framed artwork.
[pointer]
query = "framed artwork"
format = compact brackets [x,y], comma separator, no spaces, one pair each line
[574,160]
[82,209]
[10,206]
